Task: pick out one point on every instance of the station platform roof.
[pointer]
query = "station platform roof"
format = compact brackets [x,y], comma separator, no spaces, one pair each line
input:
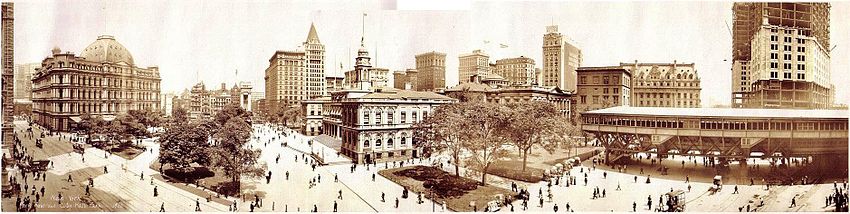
[723,112]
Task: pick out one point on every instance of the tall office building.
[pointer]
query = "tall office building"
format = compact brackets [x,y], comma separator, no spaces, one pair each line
[432,71]
[475,63]
[23,81]
[8,75]
[810,20]
[314,53]
[294,76]
[517,71]
[561,58]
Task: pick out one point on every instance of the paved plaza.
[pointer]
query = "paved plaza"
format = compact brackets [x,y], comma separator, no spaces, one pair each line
[128,190]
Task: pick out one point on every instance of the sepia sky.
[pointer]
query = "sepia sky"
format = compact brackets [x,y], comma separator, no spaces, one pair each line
[208,41]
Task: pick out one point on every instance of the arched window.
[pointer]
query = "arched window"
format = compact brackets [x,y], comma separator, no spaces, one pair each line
[404,139]
[366,116]
[390,143]
[378,143]
[366,143]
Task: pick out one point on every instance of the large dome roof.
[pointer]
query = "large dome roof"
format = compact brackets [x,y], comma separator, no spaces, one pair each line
[106,49]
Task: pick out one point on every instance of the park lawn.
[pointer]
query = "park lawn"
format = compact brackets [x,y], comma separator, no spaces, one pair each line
[455,191]
[512,169]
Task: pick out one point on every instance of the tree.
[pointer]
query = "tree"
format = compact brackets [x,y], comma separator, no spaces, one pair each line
[485,126]
[184,144]
[231,134]
[179,115]
[442,131]
[536,123]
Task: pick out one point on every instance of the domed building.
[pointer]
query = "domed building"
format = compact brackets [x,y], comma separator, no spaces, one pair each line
[103,81]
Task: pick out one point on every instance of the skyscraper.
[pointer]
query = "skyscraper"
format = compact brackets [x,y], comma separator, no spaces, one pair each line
[561,58]
[432,71]
[314,53]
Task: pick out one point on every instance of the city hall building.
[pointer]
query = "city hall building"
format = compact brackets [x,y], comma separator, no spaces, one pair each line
[372,121]
[102,81]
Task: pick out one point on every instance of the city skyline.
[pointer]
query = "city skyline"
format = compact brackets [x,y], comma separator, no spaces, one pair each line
[186,46]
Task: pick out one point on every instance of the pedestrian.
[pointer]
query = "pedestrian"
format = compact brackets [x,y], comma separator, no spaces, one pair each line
[373,176]
[794,201]
[396,202]
[87,191]
[541,201]
[142,176]
[340,195]
[155,191]
[736,190]
[635,178]
[687,179]
[287,175]
[252,206]
[162,207]
[334,206]
[197,205]
[336,177]
[382,197]
[556,208]
[634,206]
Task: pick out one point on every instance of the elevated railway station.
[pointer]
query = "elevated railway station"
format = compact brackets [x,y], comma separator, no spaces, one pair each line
[723,134]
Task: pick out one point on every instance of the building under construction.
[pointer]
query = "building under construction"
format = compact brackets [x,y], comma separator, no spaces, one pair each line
[789,87]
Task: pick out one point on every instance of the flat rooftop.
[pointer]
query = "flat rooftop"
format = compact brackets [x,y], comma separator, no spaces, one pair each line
[724,112]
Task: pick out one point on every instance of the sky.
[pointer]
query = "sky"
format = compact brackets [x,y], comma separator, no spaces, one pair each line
[209,41]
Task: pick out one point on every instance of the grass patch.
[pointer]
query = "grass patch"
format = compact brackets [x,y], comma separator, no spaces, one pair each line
[127,151]
[513,170]
[455,191]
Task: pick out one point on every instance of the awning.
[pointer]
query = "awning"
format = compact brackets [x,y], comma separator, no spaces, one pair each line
[76,119]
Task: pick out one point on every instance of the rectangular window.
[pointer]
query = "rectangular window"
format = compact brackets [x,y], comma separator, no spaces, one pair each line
[403,117]
[366,117]
[605,80]
[786,66]
[786,75]
[774,47]
[390,117]
[616,90]
[605,90]
[774,56]
[414,118]
[787,48]
[774,75]
[774,65]
[787,57]
[378,118]
[583,99]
